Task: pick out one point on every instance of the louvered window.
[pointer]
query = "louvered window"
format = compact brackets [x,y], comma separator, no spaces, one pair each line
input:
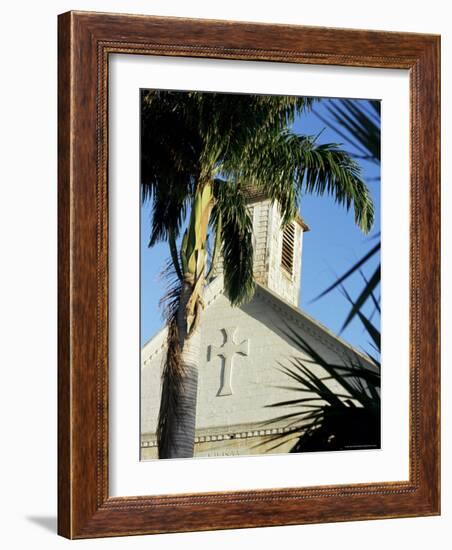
[288,248]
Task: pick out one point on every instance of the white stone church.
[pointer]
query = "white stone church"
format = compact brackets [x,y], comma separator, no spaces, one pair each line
[243,349]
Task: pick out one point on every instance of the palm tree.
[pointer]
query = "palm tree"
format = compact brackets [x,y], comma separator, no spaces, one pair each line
[199,154]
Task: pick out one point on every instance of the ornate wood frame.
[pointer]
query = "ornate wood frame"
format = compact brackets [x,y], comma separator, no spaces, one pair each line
[85,42]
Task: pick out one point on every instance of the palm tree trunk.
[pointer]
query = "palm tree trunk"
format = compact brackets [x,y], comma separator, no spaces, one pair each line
[177,416]
[178,438]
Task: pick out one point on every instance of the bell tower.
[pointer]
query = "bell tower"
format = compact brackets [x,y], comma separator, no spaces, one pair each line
[277,251]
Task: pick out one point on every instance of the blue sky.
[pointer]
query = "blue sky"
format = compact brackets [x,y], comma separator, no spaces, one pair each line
[332,246]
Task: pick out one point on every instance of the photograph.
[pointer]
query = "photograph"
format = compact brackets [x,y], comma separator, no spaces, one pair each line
[259,274]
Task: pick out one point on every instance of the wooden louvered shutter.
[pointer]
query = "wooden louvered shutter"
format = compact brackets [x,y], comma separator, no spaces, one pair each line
[288,248]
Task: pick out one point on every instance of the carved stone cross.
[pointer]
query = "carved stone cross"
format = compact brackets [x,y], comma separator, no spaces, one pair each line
[227,352]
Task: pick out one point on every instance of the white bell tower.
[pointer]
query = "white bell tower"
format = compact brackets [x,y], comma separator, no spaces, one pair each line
[277,251]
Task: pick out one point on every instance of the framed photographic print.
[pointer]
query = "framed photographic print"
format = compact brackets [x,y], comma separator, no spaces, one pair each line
[248,275]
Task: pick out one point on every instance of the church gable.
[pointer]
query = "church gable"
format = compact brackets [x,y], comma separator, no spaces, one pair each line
[238,373]
[243,350]
[245,347]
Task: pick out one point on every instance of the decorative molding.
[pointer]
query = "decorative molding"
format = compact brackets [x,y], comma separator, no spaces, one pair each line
[229,435]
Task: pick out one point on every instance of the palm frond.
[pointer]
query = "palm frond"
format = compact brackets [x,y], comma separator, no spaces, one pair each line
[285,165]
[357,123]
[328,169]
[364,295]
[237,239]
[371,329]
[375,301]
[324,418]
[355,268]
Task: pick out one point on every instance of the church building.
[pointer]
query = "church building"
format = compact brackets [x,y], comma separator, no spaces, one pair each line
[244,350]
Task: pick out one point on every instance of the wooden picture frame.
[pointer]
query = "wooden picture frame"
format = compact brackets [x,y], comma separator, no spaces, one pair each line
[86,40]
